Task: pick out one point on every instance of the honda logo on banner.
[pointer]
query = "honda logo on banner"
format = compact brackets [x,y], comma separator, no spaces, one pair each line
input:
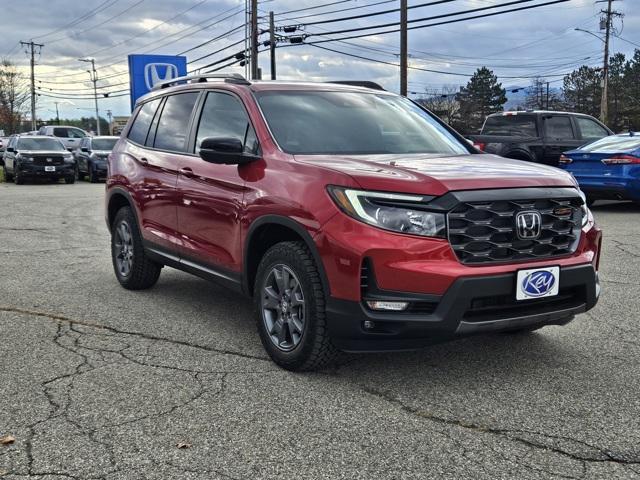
[155,73]
[146,71]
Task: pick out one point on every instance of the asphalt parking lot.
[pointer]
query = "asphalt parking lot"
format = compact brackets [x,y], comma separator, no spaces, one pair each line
[99,382]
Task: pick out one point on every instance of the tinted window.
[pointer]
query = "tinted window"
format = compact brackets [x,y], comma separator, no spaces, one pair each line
[559,127]
[103,143]
[353,123]
[513,125]
[614,144]
[140,127]
[590,129]
[224,116]
[174,122]
[39,144]
[64,132]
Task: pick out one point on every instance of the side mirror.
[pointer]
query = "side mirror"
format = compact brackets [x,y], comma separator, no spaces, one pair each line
[84,149]
[225,150]
[11,149]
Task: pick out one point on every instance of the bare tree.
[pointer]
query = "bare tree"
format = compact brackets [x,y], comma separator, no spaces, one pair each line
[14,97]
[444,103]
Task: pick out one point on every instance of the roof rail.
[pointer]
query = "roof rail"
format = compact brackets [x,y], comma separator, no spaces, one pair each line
[227,77]
[360,83]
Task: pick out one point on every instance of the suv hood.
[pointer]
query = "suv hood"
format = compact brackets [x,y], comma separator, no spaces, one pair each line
[431,174]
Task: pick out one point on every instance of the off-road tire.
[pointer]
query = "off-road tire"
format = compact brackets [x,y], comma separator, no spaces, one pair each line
[315,350]
[8,177]
[144,272]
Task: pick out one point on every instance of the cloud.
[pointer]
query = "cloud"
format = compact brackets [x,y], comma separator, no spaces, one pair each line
[540,41]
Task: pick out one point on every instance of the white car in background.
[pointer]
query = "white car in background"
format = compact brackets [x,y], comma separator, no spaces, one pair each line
[69,135]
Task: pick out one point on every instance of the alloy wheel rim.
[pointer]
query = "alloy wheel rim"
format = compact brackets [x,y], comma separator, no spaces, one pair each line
[283,308]
[123,244]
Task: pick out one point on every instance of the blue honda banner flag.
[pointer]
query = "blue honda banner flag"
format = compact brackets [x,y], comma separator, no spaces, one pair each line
[145,71]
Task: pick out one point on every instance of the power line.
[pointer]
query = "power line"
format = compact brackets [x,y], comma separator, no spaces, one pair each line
[384,32]
[423,19]
[103,6]
[93,27]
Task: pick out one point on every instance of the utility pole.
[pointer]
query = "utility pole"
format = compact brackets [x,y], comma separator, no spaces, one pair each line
[404,54]
[32,47]
[604,102]
[94,78]
[547,95]
[57,113]
[110,117]
[272,45]
[254,39]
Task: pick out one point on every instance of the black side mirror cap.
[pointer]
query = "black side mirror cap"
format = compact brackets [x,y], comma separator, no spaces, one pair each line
[10,149]
[84,149]
[225,151]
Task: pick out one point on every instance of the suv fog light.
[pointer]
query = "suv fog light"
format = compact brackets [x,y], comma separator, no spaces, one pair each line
[393,306]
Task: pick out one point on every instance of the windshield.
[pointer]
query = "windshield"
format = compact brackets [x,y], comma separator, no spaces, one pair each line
[312,123]
[613,144]
[511,125]
[39,144]
[103,143]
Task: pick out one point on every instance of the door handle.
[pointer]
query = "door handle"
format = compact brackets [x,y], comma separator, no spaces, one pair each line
[186,171]
[143,160]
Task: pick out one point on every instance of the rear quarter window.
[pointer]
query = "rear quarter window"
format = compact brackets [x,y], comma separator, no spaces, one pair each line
[140,128]
[511,125]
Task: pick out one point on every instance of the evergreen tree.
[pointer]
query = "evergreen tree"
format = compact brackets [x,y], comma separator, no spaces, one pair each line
[583,90]
[482,96]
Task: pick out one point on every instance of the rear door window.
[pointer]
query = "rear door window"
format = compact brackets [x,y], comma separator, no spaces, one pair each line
[511,125]
[173,125]
[589,129]
[140,128]
[558,127]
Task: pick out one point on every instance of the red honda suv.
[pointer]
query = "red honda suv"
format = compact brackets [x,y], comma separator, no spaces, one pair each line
[354,218]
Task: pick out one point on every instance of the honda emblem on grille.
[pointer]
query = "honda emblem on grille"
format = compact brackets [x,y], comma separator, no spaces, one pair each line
[528,225]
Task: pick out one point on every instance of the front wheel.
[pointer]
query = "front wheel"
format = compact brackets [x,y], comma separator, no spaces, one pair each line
[7,176]
[70,180]
[289,303]
[93,178]
[133,269]
[18,178]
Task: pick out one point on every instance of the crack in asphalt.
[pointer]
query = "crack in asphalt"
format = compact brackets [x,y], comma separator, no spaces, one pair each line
[606,456]
[61,318]
[66,328]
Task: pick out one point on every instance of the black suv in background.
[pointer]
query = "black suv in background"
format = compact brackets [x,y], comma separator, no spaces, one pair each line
[537,136]
[91,157]
[28,156]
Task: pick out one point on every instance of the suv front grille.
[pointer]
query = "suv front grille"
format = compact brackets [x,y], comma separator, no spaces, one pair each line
[483,232]
[41,160]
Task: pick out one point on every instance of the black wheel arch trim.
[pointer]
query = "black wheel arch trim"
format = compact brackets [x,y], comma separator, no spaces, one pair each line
[298,229]
[120,191]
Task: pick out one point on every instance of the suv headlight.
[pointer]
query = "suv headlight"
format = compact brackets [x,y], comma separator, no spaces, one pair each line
[24,158]
[390,211]
[585,208]
[68,157]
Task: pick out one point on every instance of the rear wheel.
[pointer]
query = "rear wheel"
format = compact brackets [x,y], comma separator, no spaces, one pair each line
[289,304]
[133,269]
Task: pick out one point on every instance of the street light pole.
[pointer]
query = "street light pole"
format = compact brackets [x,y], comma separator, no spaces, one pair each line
[94,78]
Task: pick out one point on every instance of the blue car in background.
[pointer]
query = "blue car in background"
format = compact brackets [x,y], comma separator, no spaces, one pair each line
[608,168]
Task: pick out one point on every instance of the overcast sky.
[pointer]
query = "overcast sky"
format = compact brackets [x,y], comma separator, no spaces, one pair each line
[521,44]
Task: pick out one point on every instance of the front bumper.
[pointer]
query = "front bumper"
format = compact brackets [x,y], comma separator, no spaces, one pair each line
[28,169]
[471,305]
